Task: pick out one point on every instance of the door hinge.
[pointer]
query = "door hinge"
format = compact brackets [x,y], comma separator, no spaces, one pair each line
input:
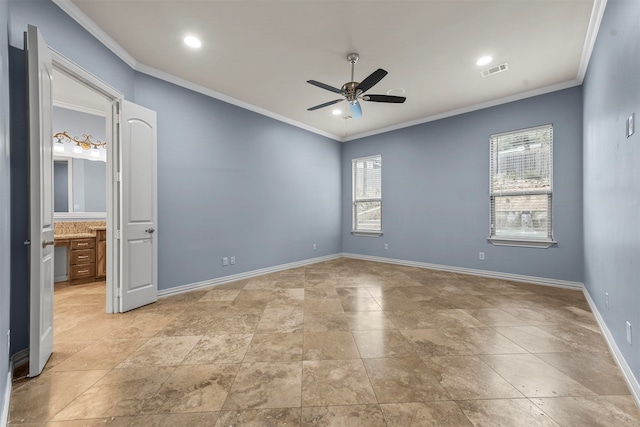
[117,234]
[118,176]
[118,294]
[118,117]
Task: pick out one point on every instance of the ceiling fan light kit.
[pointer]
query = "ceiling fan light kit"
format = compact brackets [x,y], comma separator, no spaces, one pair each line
[353,91]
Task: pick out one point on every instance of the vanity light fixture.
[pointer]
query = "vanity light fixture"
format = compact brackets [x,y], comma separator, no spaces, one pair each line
[80,144]
[192,41]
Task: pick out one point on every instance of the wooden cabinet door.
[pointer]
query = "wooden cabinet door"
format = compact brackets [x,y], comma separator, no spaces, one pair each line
[101,262]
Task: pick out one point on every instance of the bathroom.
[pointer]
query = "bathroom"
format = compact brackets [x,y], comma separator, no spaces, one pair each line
[80,184]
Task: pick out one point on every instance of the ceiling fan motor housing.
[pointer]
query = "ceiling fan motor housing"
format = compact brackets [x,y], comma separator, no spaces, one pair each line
[350,92]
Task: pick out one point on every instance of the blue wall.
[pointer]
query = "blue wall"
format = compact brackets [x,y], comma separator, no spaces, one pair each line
[234,183]
[435,190]
[5,204]
[612,175]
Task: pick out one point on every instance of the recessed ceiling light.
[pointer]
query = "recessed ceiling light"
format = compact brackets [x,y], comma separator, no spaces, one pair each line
[336,112]
[192,41]
[484,60]
[396,92]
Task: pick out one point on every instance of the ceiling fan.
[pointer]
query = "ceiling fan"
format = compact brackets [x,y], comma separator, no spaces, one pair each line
[353,91]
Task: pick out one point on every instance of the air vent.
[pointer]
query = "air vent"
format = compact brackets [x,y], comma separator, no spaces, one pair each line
[495,70]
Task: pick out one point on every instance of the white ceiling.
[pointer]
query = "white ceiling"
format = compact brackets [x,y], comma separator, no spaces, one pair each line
[71,94]
[259,54]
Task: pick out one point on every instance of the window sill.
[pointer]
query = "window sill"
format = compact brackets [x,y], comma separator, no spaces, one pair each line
[542,244]
[365,233]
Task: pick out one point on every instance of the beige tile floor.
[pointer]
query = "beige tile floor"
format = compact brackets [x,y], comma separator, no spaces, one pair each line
[341,343]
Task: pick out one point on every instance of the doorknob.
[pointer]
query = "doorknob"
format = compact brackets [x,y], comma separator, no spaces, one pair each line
[46,243]
[150,230]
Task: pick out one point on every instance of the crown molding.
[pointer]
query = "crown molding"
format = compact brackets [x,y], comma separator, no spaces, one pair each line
[79,108]
[493,103]
[162,75]
[89,24]
[590,39]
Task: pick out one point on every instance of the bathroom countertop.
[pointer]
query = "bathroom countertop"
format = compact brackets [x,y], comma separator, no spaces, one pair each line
[73,236]
[97,227]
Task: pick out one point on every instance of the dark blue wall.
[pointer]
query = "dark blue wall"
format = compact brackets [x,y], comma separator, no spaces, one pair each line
[435,190]
[19,203]
[5,197]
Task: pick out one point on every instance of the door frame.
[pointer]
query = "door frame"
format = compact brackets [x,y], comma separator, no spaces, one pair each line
[66,66]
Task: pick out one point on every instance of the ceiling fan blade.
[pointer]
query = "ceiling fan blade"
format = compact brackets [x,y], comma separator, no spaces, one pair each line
[371,81]
[326,104]
[324,86]
[356,109]
[385,98]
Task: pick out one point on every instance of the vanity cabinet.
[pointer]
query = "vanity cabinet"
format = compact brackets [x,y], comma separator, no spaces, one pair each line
[101,250]
[82,260]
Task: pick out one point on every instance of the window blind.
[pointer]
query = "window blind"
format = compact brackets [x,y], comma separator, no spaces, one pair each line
[367,193]
[521,183]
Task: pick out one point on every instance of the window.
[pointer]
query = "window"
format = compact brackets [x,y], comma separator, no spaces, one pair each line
[521,187]
[367,195]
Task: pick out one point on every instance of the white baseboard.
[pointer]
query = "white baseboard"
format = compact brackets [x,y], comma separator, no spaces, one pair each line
[61,278]
[241,276]
[473,272]
[631,380]
[4,415]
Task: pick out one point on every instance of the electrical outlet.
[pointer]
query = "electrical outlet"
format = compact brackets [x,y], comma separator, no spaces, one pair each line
[225,261]
[386,246]
[233,260]
[481,256]
[314,247]
[629,332]
[606,300]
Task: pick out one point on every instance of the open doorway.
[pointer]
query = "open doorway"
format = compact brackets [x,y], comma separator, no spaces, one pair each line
[131,214]
[79,123]
[84,157]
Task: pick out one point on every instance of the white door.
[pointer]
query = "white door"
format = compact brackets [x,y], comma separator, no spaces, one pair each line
[139,207]
[41,201]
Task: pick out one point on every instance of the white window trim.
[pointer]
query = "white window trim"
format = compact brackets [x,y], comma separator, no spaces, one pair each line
[364,233]
[513,240]
[522,243]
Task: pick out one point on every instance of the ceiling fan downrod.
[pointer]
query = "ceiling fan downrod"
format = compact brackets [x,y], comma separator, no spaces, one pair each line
[349,89]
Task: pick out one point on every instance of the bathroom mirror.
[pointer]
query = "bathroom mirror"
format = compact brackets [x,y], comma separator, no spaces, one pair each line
[80,188]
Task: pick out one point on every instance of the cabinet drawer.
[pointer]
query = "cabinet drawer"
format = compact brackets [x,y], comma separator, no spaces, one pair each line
[81,271]
[83,256]
[83,243]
